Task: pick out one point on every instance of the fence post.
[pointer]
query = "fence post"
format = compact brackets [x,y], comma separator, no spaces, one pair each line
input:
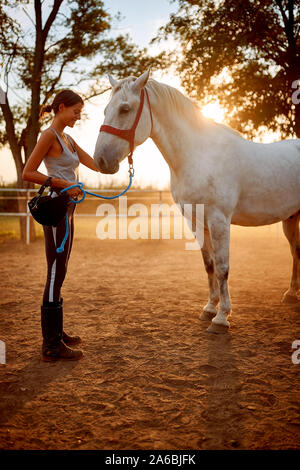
[160,216]
[27,219]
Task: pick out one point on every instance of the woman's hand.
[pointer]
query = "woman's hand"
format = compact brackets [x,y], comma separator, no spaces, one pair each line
[74,192]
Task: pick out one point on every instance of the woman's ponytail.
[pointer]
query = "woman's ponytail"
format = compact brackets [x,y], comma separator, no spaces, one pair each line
[45,110]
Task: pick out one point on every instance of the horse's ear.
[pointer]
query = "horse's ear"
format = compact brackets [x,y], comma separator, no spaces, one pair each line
[141,81]
[112,81]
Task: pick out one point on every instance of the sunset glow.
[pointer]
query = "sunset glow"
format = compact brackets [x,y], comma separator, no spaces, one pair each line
[214,111]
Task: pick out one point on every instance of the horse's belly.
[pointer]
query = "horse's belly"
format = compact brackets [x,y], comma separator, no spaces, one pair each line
[253,220]
[259,215]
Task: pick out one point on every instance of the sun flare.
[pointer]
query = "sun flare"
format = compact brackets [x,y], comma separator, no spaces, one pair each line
[214,111]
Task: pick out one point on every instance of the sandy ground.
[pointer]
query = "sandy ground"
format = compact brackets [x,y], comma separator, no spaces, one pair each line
[151,376]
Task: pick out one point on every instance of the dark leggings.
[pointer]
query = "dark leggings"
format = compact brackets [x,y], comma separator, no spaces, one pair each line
[57,262]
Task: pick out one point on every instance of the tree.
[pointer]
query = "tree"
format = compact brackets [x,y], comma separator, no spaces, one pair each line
[55,53]
[246,54]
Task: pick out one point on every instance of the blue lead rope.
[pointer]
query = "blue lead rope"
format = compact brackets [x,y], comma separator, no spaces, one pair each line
[60,249]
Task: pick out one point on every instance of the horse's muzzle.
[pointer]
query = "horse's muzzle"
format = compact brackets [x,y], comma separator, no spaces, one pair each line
[108,168]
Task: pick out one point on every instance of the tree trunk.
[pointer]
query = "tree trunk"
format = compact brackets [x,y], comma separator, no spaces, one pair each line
[15,148]
[30,135]
[22,207]
[22,202]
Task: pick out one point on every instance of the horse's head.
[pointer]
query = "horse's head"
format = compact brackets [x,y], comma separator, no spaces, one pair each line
[124,110]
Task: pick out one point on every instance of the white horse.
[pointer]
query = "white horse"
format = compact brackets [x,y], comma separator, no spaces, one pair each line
[239,182]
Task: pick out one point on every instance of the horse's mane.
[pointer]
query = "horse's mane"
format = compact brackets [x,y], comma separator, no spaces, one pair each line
[174,98]
[185,106]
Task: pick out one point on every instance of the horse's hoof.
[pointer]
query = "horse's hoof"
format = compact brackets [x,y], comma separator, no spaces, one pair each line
[289,299]
[217,328]
[206,315]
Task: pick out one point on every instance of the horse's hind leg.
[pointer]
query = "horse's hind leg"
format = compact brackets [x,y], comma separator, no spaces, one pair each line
[210,309]
[291,231]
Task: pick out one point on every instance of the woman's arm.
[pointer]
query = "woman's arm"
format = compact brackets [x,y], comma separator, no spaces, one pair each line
[84,157]
[41,149]
[30,172]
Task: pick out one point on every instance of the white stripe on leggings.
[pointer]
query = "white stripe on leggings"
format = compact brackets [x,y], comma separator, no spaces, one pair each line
[53,270]
[69,245]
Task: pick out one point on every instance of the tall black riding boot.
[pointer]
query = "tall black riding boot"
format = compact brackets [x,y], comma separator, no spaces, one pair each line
[54,347]
[69,340]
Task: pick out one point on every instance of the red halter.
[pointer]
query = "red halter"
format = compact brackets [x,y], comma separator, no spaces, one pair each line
[128,134]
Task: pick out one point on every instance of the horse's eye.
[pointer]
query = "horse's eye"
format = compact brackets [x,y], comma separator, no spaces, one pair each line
[124,108]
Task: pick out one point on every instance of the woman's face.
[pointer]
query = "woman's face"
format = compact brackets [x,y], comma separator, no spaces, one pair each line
[70,114]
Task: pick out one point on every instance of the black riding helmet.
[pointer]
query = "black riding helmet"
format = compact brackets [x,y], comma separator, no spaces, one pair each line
[48,210]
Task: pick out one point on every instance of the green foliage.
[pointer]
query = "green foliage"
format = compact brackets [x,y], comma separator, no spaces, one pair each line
[67,43]
[257,43]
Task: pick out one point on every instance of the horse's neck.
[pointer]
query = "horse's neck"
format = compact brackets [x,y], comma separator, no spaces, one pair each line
[172,136]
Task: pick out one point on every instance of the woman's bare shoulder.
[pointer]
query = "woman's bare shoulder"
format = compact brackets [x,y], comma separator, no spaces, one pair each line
[48,134]
[71,138]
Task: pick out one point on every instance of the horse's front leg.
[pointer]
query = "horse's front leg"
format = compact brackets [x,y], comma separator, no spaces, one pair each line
[210,309]
[219,229]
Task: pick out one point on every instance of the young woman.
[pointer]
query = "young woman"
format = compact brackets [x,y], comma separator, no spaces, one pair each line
[61,156]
